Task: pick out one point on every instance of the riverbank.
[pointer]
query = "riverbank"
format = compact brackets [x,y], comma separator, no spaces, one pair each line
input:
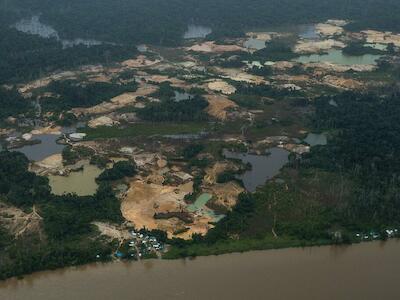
[173,112]
[239,246]
[364,271]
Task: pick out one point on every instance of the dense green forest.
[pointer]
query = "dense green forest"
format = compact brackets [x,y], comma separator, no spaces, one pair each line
[365,144]
[72,93]
[68,237]
[126,23]
[12,103]
[170,109]
[158,21]
[25,57]
[326,196]
[119,170]
[350,185]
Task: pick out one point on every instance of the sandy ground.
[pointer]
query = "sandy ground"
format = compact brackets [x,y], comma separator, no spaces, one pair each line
[329,30]
[326,66]
[211,47]
[240,75]
[148,196]
[379,37]
[226,194]
[283,65]
[317,46]
[143,159]
[162,78]
[47,130]
[112,231]
[342,83]
[143,200]
[262,36]
[52,162]
[218,106]
[292,78]
[19,223]
[221,86]
[102,121]
[139,62]
[318,78]
[95,73]
[212,172]
[297,148]
[118,102]
[43,82]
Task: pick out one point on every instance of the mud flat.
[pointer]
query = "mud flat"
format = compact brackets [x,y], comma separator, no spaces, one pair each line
[210,47]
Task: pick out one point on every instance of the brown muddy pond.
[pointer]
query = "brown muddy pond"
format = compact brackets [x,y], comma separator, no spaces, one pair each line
[82,182]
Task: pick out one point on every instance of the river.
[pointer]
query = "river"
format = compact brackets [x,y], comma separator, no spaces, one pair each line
[359,272]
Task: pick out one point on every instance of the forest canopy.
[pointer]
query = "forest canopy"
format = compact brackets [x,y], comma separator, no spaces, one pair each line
[164,22]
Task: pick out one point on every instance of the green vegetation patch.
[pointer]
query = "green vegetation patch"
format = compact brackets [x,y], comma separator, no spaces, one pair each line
[145,129]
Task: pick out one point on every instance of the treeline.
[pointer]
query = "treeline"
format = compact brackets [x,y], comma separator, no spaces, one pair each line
[12,103]
[119,170]
[277,50]
[170,109]
[348,186]
[164,22]
[364,144]
[69,238]
[128,23]
[274,216]
[24,57]
[358,48]
[72,93]
[23,189]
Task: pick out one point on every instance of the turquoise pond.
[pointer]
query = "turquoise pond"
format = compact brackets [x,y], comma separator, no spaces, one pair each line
[200,205]
[200,202]
[336,56]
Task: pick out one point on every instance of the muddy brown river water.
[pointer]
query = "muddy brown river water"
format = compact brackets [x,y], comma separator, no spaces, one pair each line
[359,272]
